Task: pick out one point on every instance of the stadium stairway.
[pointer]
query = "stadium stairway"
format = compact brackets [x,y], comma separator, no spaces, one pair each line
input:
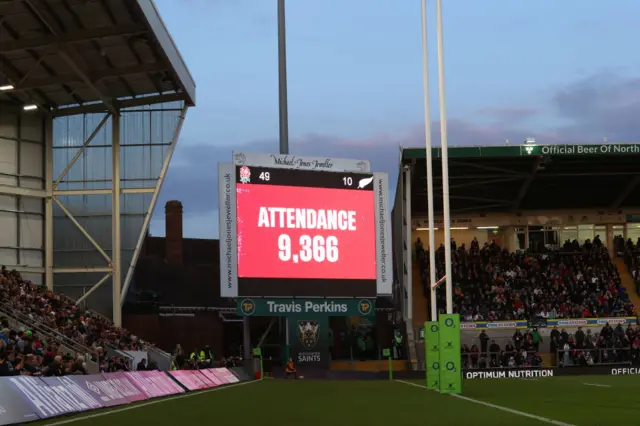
[420,302]
[420,315]
[627,281]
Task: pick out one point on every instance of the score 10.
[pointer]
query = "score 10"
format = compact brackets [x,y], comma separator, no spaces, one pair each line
[317,249]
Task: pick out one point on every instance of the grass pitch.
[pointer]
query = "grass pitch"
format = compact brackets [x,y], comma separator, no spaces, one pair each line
[563,401]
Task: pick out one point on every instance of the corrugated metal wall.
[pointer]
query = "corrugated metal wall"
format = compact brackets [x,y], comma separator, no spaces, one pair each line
[21,165]
[145,137]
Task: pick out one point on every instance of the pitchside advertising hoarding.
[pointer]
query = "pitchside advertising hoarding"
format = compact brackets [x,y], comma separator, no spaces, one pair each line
[288,229]
[25,398]
[535,373]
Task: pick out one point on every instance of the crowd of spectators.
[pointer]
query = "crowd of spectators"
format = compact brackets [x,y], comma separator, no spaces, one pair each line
[30,352]
[27,353]
[492,284]
[200,358]
[610,345]
[521,352]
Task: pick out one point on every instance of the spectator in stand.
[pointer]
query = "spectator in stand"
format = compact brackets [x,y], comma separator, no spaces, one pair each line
[494,350]
[475,352]
[484,342]
[56,368]
[142,365]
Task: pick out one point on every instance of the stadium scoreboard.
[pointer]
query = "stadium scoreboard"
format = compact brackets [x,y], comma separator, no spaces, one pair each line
[292,232]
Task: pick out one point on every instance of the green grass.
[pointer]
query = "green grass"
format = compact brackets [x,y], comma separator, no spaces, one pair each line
[383,403]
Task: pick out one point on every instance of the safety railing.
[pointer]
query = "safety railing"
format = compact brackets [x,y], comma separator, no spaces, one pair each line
[36,325]
[66,344]
[597,356]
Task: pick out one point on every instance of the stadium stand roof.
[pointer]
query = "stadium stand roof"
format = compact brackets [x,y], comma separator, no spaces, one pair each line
[79,56]
[529,177]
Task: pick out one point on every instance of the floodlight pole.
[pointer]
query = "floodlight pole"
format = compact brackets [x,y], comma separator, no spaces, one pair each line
[427,134]
[116,236]
[283,107]
[282,80]
[445,162]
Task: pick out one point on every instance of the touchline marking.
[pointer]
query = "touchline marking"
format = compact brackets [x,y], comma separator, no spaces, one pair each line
[597,385]
[146,404]
[499,407]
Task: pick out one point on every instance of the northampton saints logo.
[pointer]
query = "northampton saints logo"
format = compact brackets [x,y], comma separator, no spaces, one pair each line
[248,307]
[364,307]
[308,333]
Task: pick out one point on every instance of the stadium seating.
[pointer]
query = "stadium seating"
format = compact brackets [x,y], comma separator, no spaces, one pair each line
[492,284]
[41,330]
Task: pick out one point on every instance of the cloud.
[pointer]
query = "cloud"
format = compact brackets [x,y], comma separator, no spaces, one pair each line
[509,114]
[597,107]
[604,106]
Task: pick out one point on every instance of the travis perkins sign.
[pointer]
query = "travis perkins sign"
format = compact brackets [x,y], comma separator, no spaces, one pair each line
[324,307]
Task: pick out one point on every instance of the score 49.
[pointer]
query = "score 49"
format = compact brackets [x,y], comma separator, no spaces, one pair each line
[317,249]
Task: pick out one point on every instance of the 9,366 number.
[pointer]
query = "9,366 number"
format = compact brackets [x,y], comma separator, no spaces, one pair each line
[317,249]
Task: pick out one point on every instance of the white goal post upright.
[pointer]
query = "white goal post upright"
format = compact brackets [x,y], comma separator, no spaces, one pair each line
[429,161]
[445,160]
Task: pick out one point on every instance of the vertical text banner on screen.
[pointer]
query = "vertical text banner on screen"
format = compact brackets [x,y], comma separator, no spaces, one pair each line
[227,230]
[432,351]
[286,161]
[383,235]
[450,372]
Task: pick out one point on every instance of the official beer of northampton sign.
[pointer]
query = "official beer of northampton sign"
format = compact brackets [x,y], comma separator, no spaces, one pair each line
[283,307]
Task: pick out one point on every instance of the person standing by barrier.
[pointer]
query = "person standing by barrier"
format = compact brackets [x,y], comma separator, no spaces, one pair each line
[484,343]
[536,339]
[290,369]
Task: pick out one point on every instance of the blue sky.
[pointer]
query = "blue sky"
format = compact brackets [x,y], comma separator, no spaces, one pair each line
[561,71]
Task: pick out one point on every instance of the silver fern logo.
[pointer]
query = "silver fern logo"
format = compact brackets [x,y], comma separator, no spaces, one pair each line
[364,182]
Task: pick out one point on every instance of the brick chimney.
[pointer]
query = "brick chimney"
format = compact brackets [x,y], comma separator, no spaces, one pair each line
[173,232]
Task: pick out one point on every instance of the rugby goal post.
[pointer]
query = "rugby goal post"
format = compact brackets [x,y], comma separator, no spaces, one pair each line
[439,283]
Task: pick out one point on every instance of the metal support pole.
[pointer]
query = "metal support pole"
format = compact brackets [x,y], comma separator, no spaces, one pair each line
[408,286]
[116,278]
[152,205]
[282,79]
[94,288]
[48,202]
[18,205]
[445,161]
[246,338]
[429,160]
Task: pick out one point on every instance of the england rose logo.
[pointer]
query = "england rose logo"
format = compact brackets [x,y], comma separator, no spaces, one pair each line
[245,174]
